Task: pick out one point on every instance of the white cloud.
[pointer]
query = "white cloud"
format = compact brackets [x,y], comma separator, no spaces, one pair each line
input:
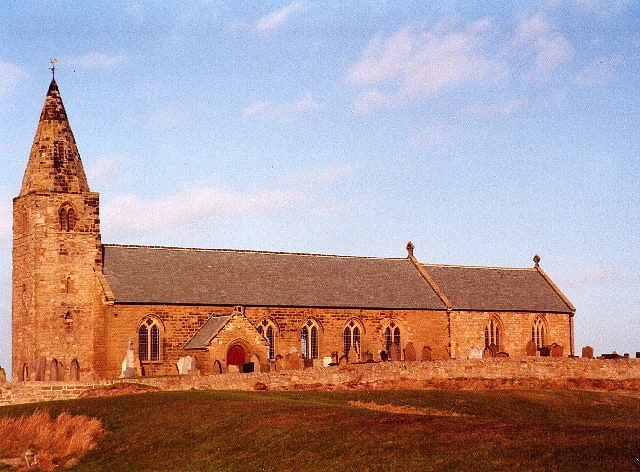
[271,22]
[549,48]
[96,60]
[599,72]
[275,20]
[191,206]
[288,112]
[410,64]
[10,77]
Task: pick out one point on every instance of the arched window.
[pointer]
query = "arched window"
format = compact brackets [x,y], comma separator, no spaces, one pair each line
[268,329]
[351,338]
[492,334]
[309,340]
[67,218]
[149,340]
[538,331]
[391,335]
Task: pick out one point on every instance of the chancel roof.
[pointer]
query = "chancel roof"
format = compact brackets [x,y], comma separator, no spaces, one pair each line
[140,274]
[160,275]
[497,289]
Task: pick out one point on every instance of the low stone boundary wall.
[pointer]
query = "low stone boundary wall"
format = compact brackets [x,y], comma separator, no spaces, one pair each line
[553,371]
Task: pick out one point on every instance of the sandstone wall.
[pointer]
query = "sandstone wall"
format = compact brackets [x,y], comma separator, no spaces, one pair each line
[534,372]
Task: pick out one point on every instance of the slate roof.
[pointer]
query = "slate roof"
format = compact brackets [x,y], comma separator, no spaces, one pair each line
[497,289]
[161,275]
[207,332]
[153,275]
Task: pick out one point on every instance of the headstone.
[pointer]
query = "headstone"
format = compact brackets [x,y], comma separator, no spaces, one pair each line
[344,360]
[41,366]
[556,350]
[475,353]
[587,352]
[280,363]
[293,361]
[394,352]
[53,370]
[384,357]
[129,363]
[426,353]
[186,365]
[232,369]
[74,370]
[326,361]
[367,356]
[265,368]
[256,362]
[545,351]
[532,348]
[409,353]
[3,375]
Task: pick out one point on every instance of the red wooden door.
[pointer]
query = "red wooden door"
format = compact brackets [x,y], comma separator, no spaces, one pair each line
[235,356]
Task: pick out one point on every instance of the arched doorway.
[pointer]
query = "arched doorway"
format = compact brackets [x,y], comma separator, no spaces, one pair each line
[236,355]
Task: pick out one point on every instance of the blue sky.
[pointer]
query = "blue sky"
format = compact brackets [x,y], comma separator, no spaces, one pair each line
[485,132]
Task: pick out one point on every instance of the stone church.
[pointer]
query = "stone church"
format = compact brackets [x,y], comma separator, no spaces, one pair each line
[82,309]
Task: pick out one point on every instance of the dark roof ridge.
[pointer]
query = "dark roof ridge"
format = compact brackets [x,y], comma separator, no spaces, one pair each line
[460,266]
[248,251]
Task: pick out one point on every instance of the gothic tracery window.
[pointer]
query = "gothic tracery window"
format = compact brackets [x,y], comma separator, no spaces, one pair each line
[267,329]
[309,340]
[149,340]
[351,338]
[538,332]
[492,333]
[391,335]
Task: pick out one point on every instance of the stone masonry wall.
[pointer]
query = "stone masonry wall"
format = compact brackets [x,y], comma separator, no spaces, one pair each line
[352,375]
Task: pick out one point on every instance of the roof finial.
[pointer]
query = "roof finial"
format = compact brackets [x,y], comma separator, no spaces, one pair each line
[536,260]
[410,248]
[53,68]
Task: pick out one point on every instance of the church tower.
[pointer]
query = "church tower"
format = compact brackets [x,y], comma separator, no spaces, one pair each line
[56,256]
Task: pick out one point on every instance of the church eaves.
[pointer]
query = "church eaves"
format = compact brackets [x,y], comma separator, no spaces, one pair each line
[54,162]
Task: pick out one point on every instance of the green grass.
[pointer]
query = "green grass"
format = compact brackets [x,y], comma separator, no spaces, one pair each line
[321,431]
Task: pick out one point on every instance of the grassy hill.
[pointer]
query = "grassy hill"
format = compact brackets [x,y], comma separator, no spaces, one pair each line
[359,430]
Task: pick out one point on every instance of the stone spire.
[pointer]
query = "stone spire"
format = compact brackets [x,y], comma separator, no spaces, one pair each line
[54,163]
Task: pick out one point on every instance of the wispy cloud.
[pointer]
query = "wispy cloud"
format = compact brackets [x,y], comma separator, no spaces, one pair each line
[192,206]
[96,61]
[549,48]
[10,76]
[408,64]
[271,22]
[287,112]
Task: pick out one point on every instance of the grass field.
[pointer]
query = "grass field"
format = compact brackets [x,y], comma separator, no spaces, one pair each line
[489,430]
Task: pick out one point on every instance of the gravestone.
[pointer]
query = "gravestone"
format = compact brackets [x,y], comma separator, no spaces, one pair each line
[53,370]
[490,351]
[367,356]
[474,353]
[74,370]
[409,353]
[587,352]
[280,364]
[186,365]
[293,361]
[256,363]
[556,350]
[41,367]
[394,352]
[384,357]
[426,353]
[3,375]
[545,351]
[129,363]
[265,368]
[531,348]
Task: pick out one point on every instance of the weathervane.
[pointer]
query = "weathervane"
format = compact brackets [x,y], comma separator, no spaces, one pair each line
[53,68]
